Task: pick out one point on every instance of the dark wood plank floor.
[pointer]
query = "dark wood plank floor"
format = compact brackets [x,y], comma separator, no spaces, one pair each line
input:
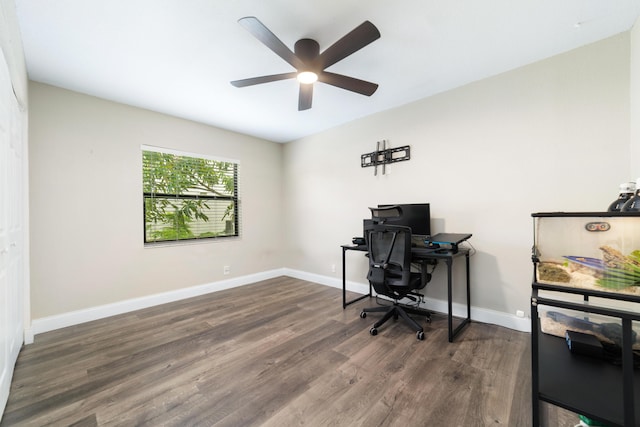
[281,352]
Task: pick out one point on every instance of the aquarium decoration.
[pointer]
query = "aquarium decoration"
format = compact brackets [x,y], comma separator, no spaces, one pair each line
[620,271]
[614,271]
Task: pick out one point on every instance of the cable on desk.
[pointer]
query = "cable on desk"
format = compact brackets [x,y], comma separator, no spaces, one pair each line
[472,250]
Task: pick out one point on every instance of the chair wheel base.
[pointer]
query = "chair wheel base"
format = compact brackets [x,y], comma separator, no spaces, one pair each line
[420,335]
[363,314]
[373,331]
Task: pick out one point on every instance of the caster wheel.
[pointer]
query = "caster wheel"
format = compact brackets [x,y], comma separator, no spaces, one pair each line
[373,331]
[420,336]
[428,319]
[363,314]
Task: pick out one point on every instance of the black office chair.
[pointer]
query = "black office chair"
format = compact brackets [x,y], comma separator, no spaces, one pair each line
[390,275]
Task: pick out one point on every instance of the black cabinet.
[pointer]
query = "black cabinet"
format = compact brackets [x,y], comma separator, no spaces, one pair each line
[596,295]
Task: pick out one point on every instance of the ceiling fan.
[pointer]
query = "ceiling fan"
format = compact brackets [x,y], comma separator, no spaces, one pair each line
[309,63]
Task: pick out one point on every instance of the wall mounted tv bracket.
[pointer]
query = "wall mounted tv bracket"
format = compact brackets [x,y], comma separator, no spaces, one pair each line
[383,156]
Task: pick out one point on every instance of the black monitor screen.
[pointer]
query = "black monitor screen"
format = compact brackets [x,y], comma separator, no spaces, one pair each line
[414,215]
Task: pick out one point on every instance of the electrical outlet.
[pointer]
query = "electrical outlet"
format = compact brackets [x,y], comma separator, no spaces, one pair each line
[519,313]
[226,269]
[333,268]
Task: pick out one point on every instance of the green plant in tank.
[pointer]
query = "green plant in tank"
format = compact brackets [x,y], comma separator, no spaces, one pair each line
[620,271]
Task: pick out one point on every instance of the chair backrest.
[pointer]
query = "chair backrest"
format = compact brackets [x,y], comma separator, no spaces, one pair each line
[380,214]
[389,259]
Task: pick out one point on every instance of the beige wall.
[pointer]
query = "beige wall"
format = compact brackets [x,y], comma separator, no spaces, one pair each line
[635,100]
[86,205]
[550,136]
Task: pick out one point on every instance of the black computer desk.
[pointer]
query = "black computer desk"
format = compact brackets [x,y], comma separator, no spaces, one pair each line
[421,254]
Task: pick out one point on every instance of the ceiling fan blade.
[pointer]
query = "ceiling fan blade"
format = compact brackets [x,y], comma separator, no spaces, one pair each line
[349,83]
[263,79]
[358,38]
[305,97]
[262,33]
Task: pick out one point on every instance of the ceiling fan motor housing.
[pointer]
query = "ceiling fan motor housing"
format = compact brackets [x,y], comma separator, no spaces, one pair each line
[308,51]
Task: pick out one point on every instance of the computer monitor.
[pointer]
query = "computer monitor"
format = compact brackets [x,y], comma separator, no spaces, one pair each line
[417,216]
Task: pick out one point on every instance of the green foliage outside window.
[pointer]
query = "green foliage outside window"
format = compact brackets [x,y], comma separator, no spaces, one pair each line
[188,197]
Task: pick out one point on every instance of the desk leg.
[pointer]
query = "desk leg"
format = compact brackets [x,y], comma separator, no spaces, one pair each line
[468,287]
[454,332]
[450,298]
[344,281]
[345,303]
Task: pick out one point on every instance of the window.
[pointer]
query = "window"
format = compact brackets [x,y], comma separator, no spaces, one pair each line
[187,196]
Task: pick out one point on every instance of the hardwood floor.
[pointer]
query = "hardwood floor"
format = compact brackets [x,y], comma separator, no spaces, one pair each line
[281,352]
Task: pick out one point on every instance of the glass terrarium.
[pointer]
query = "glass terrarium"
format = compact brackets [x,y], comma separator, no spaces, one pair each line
[592,251]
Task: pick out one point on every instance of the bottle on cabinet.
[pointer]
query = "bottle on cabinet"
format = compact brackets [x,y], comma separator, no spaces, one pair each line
[633,204]
[627,190]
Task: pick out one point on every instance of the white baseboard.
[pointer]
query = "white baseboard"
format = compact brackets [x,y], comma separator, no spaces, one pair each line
[50,323]
[64,320]
[478,314]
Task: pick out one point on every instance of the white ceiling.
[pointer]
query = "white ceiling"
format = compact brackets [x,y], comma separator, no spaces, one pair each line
[178,56]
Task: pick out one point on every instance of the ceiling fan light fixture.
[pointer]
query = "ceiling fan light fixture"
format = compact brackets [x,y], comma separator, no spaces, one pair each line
[309,64]
[307,77]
